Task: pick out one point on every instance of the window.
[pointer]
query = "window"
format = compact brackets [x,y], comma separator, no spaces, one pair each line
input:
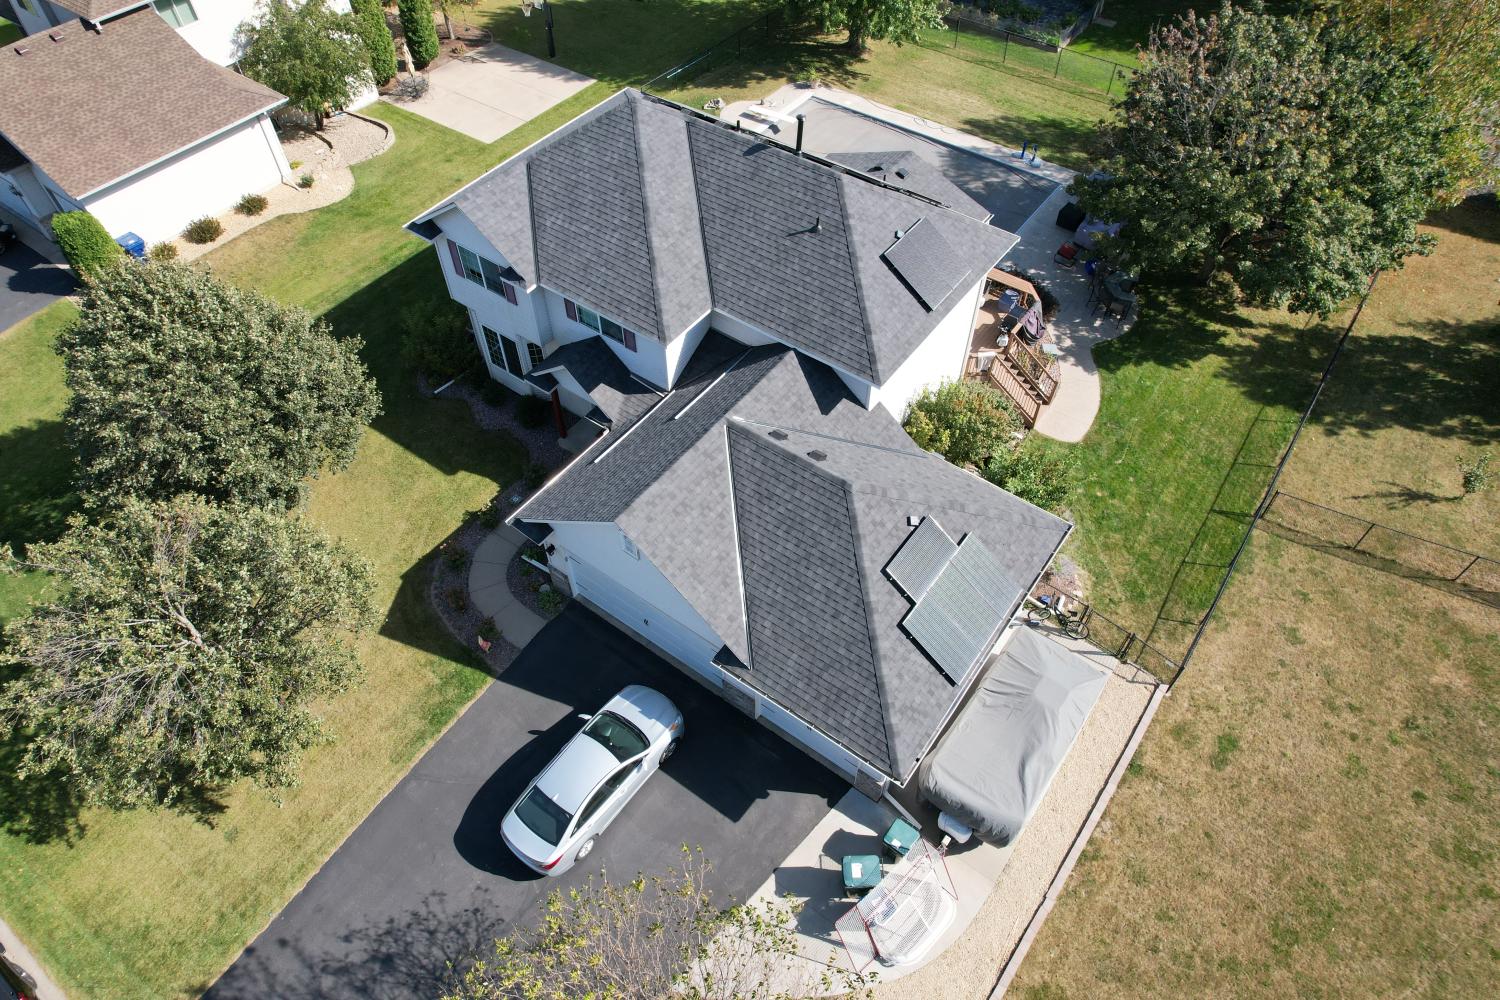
[533,354]
[605,327]
[177,13]
[542,816]
[616,735]
[502,351]
[482,271]
[604,793]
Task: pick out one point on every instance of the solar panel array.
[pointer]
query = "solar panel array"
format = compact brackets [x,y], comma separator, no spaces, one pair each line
[921,558]
[957,616]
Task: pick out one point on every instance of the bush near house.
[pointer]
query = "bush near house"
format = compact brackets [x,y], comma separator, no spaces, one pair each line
[251,204]
[376,35]
[531,411]
[965,422]
[421,31]
[85,242]
[162,252]
[1034,475]
[204,230]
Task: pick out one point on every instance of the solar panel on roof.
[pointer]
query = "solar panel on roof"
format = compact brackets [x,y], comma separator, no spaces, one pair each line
[921,558]
[978,566]
[962,609]
[926,262]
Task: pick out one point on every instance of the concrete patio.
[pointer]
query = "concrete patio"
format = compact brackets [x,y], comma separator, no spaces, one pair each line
[492,91]
[998,889]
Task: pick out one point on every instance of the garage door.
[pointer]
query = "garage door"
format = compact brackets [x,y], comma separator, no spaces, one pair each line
[665,632]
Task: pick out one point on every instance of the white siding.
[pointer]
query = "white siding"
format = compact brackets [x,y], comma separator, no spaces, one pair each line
[524,321]
[213,34]
[205,180]
[648,360]
[939,358]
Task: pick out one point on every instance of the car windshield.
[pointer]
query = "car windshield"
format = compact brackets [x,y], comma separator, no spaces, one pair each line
[542,816]
[616,735]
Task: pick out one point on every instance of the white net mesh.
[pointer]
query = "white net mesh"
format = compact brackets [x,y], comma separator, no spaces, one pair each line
[902,917]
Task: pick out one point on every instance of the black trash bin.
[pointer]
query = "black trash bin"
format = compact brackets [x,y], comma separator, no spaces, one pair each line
[1070,216]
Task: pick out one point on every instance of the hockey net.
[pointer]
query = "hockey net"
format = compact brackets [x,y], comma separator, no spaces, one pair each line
[900,917]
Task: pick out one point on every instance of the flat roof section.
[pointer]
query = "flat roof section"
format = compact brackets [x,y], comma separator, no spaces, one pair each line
[1012,193]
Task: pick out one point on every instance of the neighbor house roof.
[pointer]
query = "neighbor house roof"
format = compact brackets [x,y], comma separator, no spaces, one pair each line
[654,215]
[773,502]
[903,168]
[91,107]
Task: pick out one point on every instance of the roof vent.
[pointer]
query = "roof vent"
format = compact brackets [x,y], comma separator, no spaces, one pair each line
[818,224]
[56,36]
[779,435]
[818,456]
[21,50]
[901,173]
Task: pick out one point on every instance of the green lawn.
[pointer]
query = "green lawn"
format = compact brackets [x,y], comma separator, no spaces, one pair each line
[1314,812]
[155,905]
[10,31]
[1134,20]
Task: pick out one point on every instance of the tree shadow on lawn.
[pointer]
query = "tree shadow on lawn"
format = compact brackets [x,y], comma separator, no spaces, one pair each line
[36,483]
[1439,381]
[1477,216]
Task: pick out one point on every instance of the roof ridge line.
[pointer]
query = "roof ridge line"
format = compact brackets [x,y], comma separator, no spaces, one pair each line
[859,288]
[646,215]
[833,437]
[866,600]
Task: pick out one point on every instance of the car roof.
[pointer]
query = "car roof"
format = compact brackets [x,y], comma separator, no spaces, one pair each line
[576,772]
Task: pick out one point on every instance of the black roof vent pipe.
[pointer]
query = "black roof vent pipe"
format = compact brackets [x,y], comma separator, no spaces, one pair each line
[801,121]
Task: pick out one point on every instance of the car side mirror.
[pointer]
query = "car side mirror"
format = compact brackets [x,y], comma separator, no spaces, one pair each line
[585,716]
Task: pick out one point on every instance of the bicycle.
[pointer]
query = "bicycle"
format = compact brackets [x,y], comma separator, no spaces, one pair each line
[1041,610]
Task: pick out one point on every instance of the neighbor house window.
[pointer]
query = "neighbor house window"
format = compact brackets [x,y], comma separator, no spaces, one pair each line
[533,354]
[177,13]
[599,324]
[481,271]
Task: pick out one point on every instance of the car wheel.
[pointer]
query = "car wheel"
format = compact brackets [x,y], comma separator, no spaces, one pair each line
[583,852]
[666,754]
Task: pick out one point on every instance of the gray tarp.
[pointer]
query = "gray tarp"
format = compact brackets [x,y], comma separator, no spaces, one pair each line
[993,766]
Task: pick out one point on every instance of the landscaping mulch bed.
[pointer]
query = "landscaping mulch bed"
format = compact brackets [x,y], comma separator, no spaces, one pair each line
[525,582]
[448,592]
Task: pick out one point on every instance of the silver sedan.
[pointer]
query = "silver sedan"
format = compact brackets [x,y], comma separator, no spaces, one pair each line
[554,823]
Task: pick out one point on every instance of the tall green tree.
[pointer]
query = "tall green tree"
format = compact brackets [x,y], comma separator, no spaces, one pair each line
[376,34]
[420,31]
[1296,155]
[1460,44]
[897,21]
[307,51]
[184,384]
[181,652]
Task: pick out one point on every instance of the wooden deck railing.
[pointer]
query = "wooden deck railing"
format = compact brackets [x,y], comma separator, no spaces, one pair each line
[1039,372]
[1003,378]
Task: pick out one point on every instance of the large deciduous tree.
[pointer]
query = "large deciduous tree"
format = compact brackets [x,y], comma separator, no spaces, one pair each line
[184,384]
[307,51]
[898,21]
[1295,154]
[181,651]
[1460,42]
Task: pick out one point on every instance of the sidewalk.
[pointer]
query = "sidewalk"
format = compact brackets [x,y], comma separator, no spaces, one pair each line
[491,594]
[46,989]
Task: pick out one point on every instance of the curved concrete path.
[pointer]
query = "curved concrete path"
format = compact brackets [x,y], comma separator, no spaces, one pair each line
[490,593]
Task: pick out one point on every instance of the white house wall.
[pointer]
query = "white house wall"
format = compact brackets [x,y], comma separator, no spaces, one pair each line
[213,34]
[940,357]
[520,321]
[602,546]
[205,180]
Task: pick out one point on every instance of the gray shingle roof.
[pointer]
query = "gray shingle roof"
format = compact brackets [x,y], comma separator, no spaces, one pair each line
[620,398]
[653,215]
[904,169]
[783,555]
[129,95]
[923,259]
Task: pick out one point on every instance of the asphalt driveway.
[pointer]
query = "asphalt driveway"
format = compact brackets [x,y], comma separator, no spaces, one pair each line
[425,879]
[28,283]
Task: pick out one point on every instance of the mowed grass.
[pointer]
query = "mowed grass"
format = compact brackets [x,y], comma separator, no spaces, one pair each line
[963,88]
[1314,810]
[153,904]
[1198,401]
[1417,392]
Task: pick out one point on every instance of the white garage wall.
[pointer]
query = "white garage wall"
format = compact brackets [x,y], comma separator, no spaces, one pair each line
[940,358]
[602,546]
[206,180]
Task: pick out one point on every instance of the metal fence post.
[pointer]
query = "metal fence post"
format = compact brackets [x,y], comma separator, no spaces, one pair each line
[1368,529]
[1465,569]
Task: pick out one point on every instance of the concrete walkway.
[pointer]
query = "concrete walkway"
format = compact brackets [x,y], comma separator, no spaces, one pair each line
[16,951]
[491,594]
[493,90]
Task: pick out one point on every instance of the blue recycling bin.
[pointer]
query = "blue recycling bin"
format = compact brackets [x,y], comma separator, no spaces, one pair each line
[133,245]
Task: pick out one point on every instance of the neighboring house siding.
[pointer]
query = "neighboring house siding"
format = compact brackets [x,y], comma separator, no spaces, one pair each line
[213,33]
[940,358]
[205,180]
